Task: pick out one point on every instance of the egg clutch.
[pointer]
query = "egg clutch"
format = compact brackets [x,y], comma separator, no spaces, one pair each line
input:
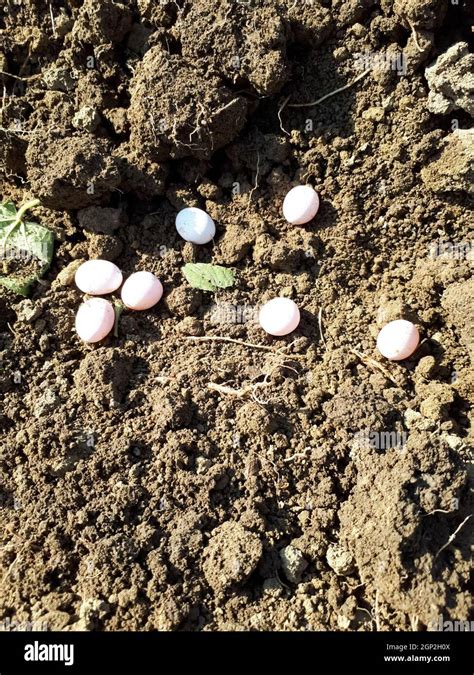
[142,290]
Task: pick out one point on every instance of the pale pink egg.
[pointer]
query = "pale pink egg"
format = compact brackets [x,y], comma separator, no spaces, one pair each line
[279,316]
[300,205]
[98,277]
[142,290]
[95,319]
[398,340]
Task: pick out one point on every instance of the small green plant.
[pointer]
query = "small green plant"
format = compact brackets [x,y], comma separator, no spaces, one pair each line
[26,241]
[208,277]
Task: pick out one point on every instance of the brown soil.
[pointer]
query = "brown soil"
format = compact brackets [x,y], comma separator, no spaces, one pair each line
[156,481]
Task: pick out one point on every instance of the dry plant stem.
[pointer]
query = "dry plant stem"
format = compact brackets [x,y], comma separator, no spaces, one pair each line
[18,77]
[217,338]
[375,365]
[320,325]
[376,612]
[453,535]
[331,93]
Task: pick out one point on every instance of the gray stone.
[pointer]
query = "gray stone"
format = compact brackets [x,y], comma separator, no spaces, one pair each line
[451,81]
[86,119]
[340,559]
[293,563]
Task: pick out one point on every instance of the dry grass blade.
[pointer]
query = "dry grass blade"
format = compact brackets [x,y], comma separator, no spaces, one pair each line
[218,338]
[375,365]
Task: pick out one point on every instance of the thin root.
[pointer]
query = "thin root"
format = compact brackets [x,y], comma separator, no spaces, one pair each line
[297,455]
[243,391]
[53,25]
[218,338]
[18,77]
[248,388]
[256,180]
[331,93]
[320,325]
[453,535]
[280,110]
[376,612]
[415,37]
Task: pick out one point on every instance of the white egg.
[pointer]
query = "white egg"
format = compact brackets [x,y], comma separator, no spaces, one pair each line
[98,277]
[195,225]
[279,316]
[95,319]
[141,291]
[398,340]
[300,204]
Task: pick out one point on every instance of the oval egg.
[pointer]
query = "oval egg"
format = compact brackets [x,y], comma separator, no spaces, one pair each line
[98,277]
[398,340]
[95,319]
[195,225]
[141,291]
[300,205]
[279,316]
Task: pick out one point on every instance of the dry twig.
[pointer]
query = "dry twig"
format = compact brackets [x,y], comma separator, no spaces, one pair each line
[375,365]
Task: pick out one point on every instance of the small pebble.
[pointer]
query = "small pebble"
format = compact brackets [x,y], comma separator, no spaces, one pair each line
[98,277]
[95,319]
[279,316]
[195,225]
[293,563]
[398,340]
[340,559]
[141,291]
[300,205]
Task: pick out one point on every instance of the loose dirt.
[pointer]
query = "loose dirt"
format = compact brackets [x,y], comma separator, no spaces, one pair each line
[160,482]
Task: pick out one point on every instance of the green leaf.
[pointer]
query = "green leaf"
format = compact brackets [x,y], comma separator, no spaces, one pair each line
[208,277]
[7,212]
[21,287]
[27,240]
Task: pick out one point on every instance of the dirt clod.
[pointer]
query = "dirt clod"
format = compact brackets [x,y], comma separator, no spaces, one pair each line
[451,81]
[293,563]
[70,173]
[231,556]
[103,377]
